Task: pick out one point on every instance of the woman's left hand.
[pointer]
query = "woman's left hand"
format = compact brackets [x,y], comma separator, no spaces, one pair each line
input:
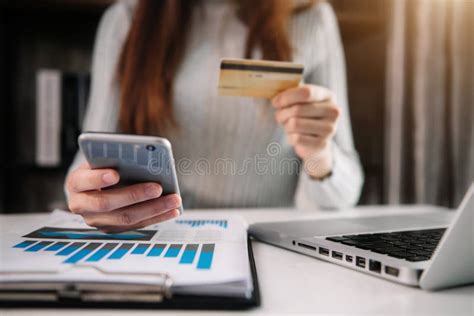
[309,116]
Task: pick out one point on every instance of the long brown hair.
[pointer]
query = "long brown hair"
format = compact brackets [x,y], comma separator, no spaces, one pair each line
[159,29]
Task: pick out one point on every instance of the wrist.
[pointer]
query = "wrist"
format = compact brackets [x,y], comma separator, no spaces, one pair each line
[320,165]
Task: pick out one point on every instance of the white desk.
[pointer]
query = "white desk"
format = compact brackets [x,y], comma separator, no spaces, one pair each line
[291,283]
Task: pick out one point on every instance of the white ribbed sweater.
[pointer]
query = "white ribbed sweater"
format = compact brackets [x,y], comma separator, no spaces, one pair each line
[230,152]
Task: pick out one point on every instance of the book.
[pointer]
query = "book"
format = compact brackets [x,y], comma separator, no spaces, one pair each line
[61,101]
[48,117]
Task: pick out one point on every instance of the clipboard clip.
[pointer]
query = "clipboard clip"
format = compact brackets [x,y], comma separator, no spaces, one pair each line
[116,292]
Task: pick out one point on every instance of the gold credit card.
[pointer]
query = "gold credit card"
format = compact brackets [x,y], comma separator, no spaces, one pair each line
[257,78]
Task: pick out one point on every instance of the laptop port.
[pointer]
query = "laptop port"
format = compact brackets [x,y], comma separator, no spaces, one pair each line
[324,251]
[360,262]
[337,255]
[375,266]
[307,246]
[349,258]
[392,271]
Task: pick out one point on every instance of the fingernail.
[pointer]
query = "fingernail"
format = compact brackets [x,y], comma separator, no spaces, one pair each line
[172,201]
[108,178]
[152,190]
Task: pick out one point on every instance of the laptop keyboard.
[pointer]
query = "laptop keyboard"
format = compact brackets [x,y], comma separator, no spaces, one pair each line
[415,245]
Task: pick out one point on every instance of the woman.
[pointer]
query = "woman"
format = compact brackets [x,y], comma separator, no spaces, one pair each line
[155,71]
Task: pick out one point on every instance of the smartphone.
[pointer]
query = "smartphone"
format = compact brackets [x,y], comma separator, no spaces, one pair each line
[136,158]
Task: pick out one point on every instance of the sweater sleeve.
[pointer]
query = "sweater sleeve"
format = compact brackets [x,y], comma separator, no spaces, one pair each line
[102,110]
[342,188]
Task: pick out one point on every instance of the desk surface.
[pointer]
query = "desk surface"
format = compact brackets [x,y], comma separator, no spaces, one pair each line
[291,283]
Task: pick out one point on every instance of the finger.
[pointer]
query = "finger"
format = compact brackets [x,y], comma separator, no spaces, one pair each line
[86,179]
[302,94]
[134,214]
[111,199]
[308,141]
[150,221]
[314,127]
[325,110]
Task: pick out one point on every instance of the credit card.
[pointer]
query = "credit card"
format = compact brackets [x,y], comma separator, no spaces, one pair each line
[257,78]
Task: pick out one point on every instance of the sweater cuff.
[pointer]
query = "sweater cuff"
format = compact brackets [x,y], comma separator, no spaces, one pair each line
[339,190]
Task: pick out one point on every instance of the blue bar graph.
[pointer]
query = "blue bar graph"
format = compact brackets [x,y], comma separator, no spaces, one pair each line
[120,252]
[205,258]
[56,246]
[173,251]
[188,254]
[156,250]
[39,246]
[70,249]
[198,223]
[96,251]
[78,256]
[24,244]
[140,249]
[102,252]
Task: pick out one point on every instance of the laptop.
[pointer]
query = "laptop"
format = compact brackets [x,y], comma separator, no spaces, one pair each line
[432,250]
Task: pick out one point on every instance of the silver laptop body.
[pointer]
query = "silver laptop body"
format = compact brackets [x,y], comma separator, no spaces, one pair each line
[449,234]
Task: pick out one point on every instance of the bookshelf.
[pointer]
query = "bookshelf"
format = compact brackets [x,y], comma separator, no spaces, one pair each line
[35,35]
[59,34]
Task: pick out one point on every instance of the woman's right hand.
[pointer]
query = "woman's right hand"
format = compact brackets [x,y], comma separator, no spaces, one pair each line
[117,209]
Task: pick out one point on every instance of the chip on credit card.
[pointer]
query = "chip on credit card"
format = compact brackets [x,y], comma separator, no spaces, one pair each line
[257,78]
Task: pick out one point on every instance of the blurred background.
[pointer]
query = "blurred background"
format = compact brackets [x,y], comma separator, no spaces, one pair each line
[411,92]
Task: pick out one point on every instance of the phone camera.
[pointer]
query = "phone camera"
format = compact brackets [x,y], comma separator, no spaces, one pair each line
[150,147]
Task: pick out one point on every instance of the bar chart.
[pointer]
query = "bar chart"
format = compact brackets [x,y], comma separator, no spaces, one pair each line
[199,222]
[201,255]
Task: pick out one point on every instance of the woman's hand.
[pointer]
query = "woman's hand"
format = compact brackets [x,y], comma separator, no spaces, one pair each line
[309,115]
[117,209]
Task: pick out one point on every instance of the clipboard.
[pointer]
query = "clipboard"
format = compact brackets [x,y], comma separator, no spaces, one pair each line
[76,296]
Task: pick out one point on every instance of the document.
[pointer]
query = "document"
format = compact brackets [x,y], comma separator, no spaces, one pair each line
[200,255]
